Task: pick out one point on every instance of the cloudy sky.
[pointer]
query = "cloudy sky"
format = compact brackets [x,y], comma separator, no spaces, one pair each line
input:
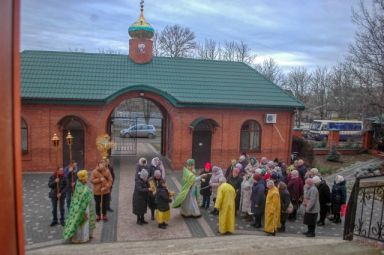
[294,32]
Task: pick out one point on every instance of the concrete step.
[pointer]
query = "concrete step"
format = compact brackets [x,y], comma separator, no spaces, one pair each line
[223,245]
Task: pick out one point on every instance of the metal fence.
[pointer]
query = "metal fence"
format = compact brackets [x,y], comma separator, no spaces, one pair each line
[365,210]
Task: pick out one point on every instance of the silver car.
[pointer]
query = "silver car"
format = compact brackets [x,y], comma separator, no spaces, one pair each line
[139,130]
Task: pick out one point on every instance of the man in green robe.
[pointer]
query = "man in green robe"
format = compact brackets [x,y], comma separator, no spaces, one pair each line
[187,198]
[80,222]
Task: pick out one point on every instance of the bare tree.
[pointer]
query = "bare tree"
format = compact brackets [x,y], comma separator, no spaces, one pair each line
[271,71]
[229,51]
[210,49]
[244,53]
[176,41]
[320,85]
[367,52]
[298,81]
[156,44]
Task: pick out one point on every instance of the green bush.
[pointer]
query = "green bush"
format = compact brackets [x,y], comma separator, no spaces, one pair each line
[334,156]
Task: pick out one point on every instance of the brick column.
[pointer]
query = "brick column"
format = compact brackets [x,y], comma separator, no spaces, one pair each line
[297,132]
[367,140]
[333,138]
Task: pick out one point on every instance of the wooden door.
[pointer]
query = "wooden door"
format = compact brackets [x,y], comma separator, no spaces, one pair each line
[201,147]
[77,147]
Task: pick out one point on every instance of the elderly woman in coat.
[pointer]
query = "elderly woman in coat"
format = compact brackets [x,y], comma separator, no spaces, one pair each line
[258,199]
[295,188]
[272,209]
[142,164]
[285,200]
[140,197]
[312,207]
[246,192]
[156,164]
[339,197]
[214,183]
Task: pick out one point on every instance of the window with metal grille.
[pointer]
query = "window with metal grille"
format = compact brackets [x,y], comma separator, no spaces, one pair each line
[250,135]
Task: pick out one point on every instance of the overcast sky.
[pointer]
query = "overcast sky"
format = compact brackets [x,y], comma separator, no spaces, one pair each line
[293,32]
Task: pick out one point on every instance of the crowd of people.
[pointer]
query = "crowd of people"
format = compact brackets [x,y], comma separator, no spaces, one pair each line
[69,192]
[266,193]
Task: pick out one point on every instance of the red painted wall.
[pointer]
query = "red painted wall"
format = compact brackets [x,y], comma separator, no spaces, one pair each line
[42,121]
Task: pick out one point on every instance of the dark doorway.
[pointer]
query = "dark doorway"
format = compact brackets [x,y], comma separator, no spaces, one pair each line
[77,131]
[201,144]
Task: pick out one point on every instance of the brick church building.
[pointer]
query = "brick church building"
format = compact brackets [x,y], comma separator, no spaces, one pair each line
[212,110]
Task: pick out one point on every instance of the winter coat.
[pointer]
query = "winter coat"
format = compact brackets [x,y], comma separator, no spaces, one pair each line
[140,197]
[53,186]
[162,199]
[205,189]
[98,184]
[246,192]
[302,171]
[339,196]
[235,182]
[324,193]
[311,200]
[285,199]
[155,183]
[295,189]
[228,173]
[258,198]
[214,182]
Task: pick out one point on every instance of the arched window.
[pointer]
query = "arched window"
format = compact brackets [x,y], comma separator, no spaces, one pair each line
[250,136]
[24,136]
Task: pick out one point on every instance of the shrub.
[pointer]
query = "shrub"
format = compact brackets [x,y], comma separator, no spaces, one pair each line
[334,156]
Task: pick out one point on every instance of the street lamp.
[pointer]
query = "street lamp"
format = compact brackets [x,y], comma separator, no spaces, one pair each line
[56,141]
[69,139]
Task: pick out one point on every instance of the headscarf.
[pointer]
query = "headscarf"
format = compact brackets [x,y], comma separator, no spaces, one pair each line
[242,158]
[82,175]
[254,162]
[233,162]
[141,161]
[294,174]
[257,177]
[157,173]
[236,170]
[282,186]
[216,170]
[155,161]
[316,179]
[339,179]
[309,181]
[238,165]
[190,162]
[207,166]
[314,171]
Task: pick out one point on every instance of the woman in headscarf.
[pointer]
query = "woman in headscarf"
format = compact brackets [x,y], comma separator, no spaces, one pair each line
[246,192]
[258,199]
[156,164]
[142,164]
[230,168]
[339,197]
[187,198]
[140,197]
[285,200]
[154,184]
[214,183]
[295,188]
[312,207]
[80,222]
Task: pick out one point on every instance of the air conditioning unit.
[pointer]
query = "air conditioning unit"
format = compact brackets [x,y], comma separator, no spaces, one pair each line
[270,118]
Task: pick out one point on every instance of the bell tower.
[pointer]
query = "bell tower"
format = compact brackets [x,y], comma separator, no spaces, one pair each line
[140,44]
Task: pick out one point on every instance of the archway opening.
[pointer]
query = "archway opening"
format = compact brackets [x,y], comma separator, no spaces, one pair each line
[137,124]
[77,127]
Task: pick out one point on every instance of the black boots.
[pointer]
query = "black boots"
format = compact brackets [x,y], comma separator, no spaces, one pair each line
[163,225]
[153,215]
[140,220]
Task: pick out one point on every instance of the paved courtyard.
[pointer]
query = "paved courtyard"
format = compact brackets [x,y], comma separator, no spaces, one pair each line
[122,223]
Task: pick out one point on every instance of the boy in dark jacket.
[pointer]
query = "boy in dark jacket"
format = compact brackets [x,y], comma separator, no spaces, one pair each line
[235,180]
[58,185]
[205,189]
[163,213]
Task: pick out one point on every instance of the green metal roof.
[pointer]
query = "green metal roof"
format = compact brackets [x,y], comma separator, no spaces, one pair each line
[91,78]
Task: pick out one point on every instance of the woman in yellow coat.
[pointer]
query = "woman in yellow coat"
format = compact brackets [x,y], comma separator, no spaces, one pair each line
[225,203]
[272,209]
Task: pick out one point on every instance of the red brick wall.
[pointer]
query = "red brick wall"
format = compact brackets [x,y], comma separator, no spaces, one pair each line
[42,121]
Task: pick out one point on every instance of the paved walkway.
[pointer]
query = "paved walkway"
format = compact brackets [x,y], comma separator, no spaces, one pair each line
[122,223]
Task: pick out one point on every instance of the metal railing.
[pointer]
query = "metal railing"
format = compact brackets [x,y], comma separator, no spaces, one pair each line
[365,209]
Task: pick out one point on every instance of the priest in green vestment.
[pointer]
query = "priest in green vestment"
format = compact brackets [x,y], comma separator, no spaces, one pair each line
[186,200]
[80,222]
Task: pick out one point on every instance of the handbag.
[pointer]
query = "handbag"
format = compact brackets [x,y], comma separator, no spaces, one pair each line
[290,208]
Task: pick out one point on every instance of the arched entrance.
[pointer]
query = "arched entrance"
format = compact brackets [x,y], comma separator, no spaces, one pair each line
[202,129]
[138,121]
[77,127]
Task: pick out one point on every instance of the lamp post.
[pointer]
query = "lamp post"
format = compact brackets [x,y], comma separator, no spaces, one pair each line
[69,139]
[56,142]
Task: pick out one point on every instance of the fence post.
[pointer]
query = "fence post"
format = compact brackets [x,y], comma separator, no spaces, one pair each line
[350,217]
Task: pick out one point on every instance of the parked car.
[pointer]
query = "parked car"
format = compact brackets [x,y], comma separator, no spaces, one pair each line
[139,130]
